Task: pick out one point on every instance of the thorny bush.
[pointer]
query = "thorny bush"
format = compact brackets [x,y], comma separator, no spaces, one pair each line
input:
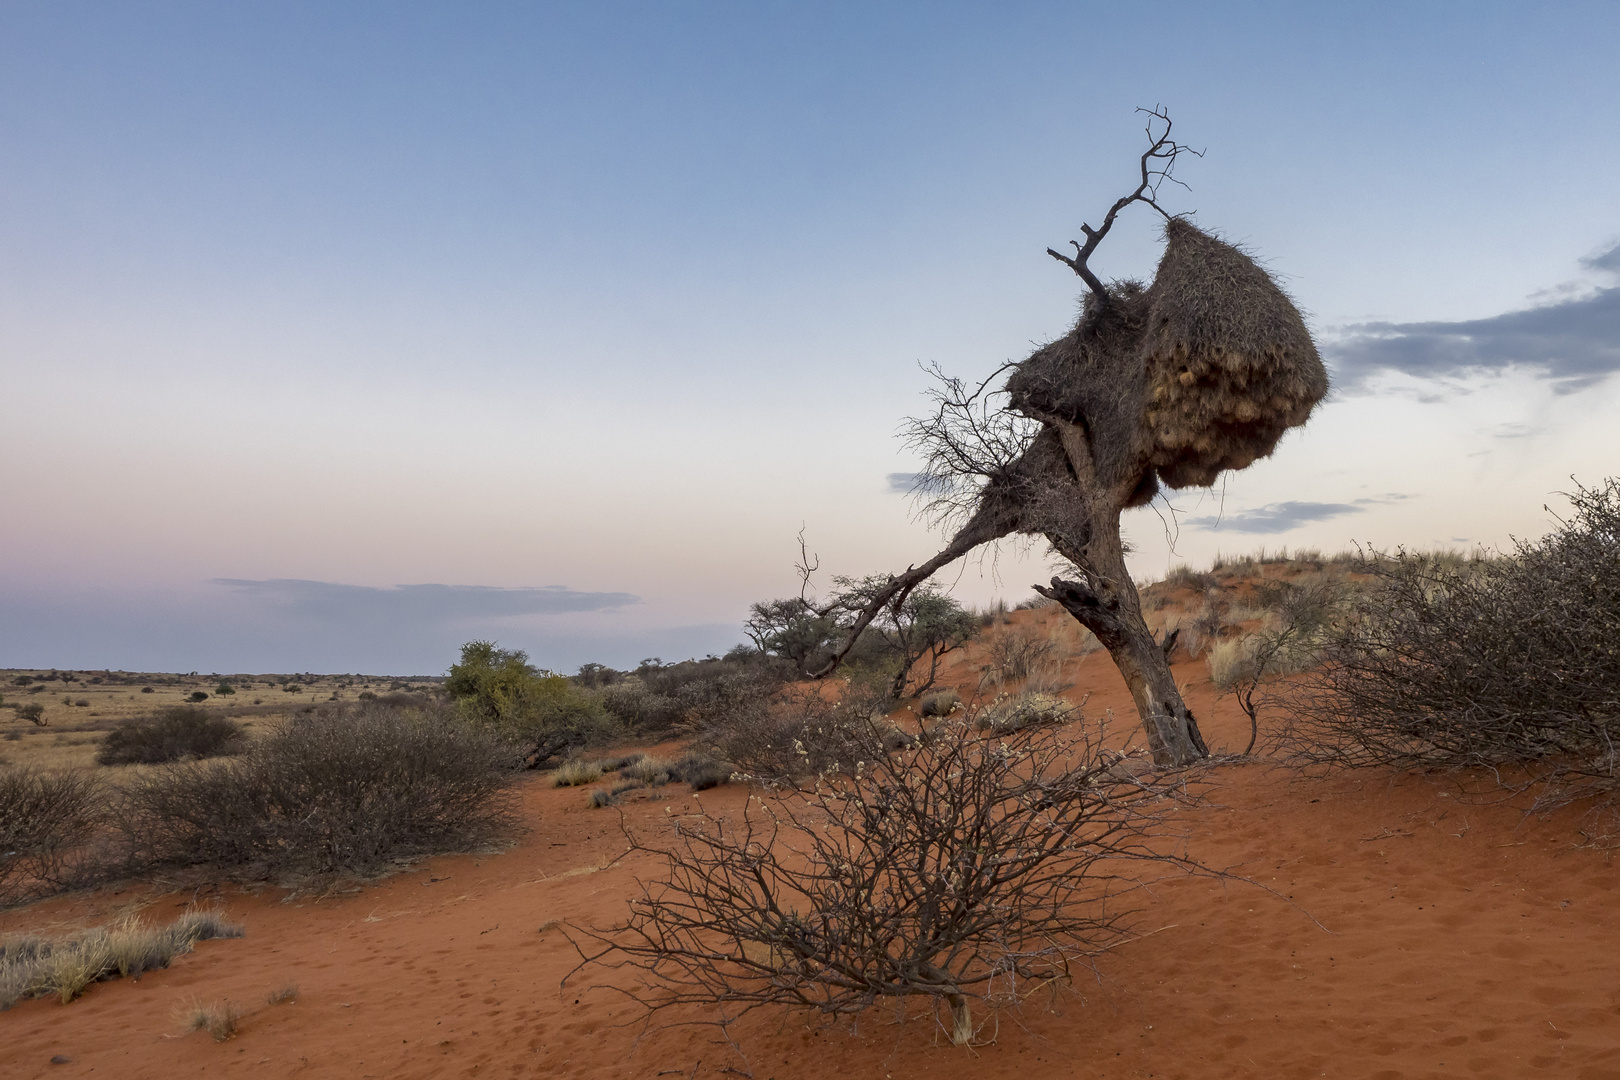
[966,866]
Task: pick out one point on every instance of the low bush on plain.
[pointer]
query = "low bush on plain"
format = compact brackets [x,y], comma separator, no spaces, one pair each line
[181,732]
[351,791]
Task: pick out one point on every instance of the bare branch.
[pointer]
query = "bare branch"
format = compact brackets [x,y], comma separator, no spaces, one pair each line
[1158,164]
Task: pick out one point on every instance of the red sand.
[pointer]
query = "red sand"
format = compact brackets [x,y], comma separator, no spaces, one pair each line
[1455,940]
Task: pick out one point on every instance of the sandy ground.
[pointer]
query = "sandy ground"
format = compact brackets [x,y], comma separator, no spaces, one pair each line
[1408,932]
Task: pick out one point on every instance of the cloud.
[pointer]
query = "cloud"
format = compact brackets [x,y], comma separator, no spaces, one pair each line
[262,626]
[328,600]
[1576,340]
[1276,518]
[915,483]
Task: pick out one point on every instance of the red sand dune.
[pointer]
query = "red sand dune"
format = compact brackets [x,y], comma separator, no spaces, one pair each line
[1411,934]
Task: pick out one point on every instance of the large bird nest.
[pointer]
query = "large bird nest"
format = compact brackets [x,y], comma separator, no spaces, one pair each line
[1202,371]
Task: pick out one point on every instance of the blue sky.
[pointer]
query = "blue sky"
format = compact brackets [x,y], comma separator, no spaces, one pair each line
[307,308]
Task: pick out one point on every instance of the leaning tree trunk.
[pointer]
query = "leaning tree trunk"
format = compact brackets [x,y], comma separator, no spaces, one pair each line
[1108,605]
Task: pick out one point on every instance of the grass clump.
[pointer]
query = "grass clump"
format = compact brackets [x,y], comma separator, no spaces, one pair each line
[1019,711]
[941,703]
[184,731]
[576,773]
[33,967]
[218,1018]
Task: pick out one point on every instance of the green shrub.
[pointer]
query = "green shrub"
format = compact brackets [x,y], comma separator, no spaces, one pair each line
[33,712]
[198,695]
[224,688]
[499,690]
[180,732]
[345,791]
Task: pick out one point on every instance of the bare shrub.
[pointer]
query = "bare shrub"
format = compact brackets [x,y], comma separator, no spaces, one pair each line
[179,732]
[45,820]
[1016,651]
[355,790]
[967,867]
[801,732]
[1481,662]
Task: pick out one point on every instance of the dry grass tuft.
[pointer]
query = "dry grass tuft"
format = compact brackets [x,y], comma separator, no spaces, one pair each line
[283,996]
[32,966]
[218,1018]
[576,773]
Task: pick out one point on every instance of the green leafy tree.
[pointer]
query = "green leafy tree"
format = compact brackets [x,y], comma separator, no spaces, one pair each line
[500,689]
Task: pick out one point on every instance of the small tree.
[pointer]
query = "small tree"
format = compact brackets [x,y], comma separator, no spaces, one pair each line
[924,625]
[499,689]
[1170,383]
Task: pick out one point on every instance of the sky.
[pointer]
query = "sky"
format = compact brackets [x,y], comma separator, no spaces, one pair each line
[335,335]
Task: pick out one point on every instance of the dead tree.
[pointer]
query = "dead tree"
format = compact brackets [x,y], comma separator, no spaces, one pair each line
[1169,383]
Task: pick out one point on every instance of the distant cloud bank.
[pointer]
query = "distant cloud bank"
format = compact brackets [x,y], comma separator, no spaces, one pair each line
[325,599]
[1276,518]
[1577,340]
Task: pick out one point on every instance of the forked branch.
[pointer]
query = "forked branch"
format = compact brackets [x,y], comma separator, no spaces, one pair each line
[1158,165]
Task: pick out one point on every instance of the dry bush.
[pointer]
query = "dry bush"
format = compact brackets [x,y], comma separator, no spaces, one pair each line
[1016,651]
[45,821]
[941,703]
[351,791]
[32,966]
[179,732]
[283,995]
[801,732]
[967,867]
[1510,662]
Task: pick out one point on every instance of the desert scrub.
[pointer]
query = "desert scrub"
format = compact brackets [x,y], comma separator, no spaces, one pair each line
[941,703]
[172,734]
[353,791]
[32,966]
[45,821]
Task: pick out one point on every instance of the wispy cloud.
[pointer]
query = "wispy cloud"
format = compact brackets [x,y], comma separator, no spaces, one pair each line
[326,600]
[914,483]
[1576,340]
[1276,518]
